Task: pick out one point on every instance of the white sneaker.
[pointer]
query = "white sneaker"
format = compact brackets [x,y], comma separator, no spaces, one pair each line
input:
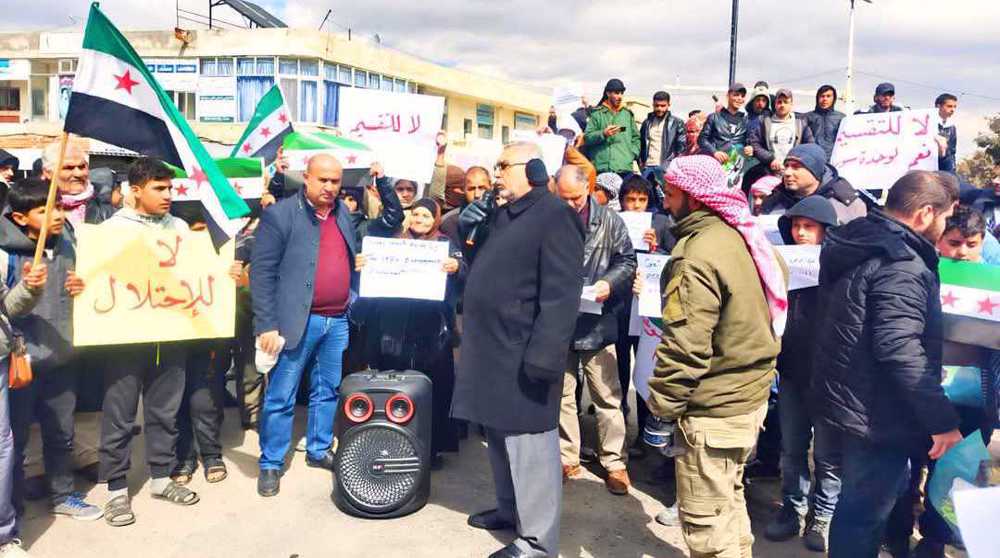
[12,549]
[301,446]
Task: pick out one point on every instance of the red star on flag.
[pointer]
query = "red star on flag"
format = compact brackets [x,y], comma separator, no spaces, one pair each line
[351,158]
[265,131]
[949,299]
[182,190]
[986,306]
[283,118]
[247,148]
[198,176]
[126,82]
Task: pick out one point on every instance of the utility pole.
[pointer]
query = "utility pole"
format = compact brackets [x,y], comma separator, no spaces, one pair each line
[850,103]
[732,41]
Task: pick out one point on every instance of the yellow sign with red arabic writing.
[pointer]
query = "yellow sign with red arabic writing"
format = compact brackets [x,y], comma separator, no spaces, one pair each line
[146,285]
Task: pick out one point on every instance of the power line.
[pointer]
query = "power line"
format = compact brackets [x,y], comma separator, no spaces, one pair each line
[929,86]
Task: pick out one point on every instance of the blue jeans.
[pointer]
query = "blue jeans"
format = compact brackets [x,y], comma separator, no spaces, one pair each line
[8,517]
[873,476]
[323,344]
[797,431]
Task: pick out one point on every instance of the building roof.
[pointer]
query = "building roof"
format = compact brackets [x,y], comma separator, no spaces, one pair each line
[306,43]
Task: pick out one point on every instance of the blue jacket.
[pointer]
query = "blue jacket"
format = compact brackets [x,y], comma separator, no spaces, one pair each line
[285,255]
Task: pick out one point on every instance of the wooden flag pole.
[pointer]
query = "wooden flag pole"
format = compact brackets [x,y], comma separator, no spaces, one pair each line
[50,202]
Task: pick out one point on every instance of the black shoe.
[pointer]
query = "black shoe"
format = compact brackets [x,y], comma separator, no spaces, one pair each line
[509,551]
[326,462]
[489,520]
[268,482]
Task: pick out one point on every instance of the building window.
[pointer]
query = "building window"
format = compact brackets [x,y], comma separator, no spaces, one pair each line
[505,134]
[39,98]
[360,78]
[308,101]
[484,121]
[249,90]
[411,87]
[309,67]
[387,84]
[67,66]
[288,66]
[10,98]
[259,66]
[344,75]
[329,71]
[467,127]
[331,102]
[525,121]
[400,86]
[374,81]
[216,67]
[290,89]
[184,101]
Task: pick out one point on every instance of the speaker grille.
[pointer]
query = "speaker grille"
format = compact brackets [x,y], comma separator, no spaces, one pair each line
[379,468]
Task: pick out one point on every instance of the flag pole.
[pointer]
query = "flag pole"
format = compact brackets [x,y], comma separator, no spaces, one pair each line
[50,202]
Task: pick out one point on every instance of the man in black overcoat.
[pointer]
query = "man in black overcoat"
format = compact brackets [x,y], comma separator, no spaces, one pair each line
[521,302]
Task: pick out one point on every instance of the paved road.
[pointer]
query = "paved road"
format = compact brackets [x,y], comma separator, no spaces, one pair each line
[301,522]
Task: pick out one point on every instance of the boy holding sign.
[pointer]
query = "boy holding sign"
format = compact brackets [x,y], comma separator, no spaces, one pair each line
[47,332]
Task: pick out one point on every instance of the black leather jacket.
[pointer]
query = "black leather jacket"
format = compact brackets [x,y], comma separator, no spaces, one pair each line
[722,130]
[607,255]
[672,144]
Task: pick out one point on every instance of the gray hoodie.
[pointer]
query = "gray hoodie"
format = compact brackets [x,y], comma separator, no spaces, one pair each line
[128,217]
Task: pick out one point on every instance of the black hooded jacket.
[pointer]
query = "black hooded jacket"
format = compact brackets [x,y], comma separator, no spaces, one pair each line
[878,361]
[833,187]
[798,342]
[825,123]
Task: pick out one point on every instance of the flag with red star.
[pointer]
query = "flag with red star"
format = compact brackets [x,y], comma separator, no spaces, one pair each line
[970,289]
[115,99]
[245,175]
[270,123]
[300,147]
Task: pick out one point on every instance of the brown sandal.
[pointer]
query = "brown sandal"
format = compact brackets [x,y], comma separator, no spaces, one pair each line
[216,473]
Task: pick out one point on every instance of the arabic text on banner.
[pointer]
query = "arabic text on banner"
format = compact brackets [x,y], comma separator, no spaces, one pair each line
[147,286]
[400,127]
[637,223]
[873,150]
[403,268]
[650,268]
[803,264]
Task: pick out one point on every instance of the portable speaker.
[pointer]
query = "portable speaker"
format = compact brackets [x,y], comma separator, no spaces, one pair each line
[383,429]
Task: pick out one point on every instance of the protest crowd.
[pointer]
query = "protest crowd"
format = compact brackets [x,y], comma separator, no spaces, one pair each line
[838,386]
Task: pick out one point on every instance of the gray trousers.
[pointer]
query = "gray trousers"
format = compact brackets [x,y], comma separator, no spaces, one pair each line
[527,473]
[8,518]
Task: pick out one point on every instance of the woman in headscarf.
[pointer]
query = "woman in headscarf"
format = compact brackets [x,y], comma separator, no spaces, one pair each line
[410,334]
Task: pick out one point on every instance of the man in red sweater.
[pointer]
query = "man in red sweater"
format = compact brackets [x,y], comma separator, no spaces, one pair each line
[302,283]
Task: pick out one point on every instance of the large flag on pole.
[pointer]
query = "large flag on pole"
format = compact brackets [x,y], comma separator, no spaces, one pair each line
[270,124]
[116,100]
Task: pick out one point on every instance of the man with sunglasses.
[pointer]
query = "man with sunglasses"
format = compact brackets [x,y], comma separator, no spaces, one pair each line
[521,301]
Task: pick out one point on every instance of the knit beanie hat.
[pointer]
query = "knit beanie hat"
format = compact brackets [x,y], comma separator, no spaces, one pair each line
[703,178]
[812,158]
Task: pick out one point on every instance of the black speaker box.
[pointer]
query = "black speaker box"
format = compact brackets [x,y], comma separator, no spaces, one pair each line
[383,430]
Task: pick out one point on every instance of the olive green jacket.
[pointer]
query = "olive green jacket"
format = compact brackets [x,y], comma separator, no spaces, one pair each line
[717,355]
[615,153]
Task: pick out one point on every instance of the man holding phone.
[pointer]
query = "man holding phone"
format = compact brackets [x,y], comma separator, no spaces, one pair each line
[612,135]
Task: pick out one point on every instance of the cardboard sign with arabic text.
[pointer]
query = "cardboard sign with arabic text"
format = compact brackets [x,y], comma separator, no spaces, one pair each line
[400,127]
[147,286]
[873,150]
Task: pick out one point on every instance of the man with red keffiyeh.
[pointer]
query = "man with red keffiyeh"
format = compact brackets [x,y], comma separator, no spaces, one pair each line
[725,303]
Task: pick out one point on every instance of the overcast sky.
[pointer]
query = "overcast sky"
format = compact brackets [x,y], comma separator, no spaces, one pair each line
[652,44]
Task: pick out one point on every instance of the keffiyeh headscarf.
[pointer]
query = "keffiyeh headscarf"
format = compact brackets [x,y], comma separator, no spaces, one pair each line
[703,178]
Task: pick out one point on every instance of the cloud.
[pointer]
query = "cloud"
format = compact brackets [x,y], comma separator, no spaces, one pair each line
[924,48]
